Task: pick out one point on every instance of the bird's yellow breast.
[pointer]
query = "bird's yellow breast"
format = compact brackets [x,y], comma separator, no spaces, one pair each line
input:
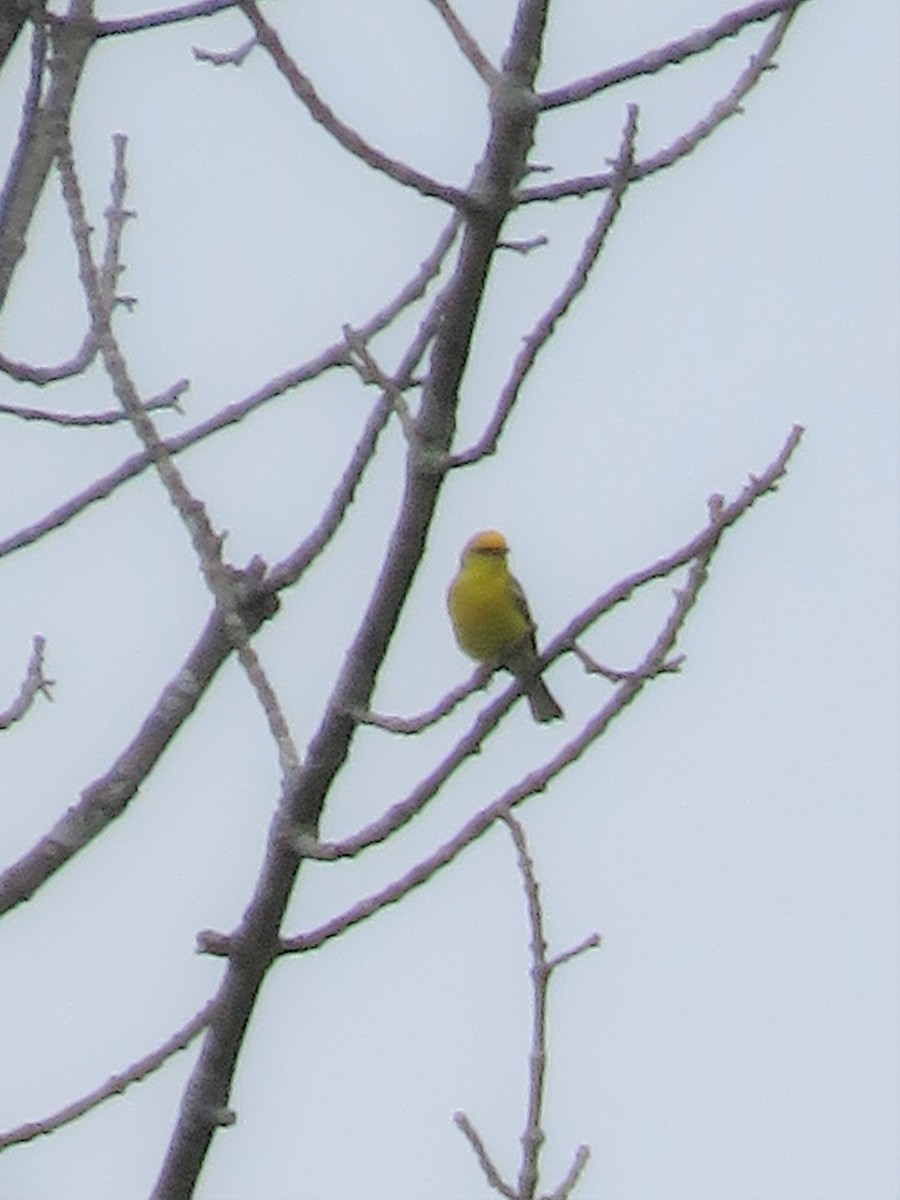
[487,619]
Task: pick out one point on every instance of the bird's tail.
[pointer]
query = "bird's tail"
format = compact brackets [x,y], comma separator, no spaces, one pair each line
[542,702]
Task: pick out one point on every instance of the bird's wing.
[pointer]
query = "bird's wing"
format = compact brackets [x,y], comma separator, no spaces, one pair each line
[521,603]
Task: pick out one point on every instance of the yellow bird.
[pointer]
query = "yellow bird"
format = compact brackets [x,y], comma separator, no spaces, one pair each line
[491,620]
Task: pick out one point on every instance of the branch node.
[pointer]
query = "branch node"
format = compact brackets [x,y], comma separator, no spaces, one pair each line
[210,941]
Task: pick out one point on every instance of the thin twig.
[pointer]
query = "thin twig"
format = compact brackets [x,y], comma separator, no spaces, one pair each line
[728,106]
[332,357]
[207,544]
[24,372]
[674,52]
[431,716]
[613,674]
[35,681]
[577,281]
[163,16]
[491,1174]
[542,969]
[298,561]
[567,1187]
[115,1085]
[367,368]
[532,1137]
[347,137]
[170,398]
[467,43]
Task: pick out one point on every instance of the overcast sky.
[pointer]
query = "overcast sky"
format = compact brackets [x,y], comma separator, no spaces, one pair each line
[734,838]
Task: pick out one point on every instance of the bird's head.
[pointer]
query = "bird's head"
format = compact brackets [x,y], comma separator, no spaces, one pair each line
[489,541]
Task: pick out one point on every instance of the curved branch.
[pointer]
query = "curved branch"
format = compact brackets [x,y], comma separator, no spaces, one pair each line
[342,133]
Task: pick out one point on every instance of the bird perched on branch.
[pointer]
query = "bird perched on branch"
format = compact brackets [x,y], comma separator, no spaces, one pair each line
[491,620]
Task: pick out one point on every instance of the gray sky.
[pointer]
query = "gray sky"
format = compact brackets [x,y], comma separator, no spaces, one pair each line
[734,838]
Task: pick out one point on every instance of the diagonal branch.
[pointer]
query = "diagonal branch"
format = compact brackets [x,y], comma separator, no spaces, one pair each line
[491,1173]
[291,568]
[530,785]
[256,942]
[220,578]
[108,797]
[467,43]
[700,553]
[540,335]
[37,145]
[720,518]
[697,42]
[330,358]
[341,132]
[115,1085]
[728,106]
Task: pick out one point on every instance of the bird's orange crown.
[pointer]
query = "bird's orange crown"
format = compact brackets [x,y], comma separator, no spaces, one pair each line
[489,541]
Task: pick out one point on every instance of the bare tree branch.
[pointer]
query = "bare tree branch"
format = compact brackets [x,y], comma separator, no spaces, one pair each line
[115,1085]
[695,43]
[170,398]
[342,133]
[720,518]
[256,942]
[220,578]
[542,968]
[393,724]
[226,58]
[165,16]
[569,1183]
[37,144]
[330,358]
[35,681]
[698,553]
[577,281]
[23,372]
[685,144]
[466,42]
[107,797]
[491,1174]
